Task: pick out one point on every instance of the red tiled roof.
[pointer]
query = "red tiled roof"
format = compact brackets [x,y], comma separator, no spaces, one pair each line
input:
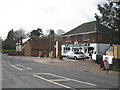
[88,27]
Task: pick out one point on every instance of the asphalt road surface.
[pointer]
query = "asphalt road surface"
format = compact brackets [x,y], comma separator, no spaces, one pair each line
[17,73]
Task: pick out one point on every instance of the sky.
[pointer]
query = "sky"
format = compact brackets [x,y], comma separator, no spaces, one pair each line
[45,14]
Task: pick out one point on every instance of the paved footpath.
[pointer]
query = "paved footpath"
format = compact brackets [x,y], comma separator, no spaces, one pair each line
[80,65]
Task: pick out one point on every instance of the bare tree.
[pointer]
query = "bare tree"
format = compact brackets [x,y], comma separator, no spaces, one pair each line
[48,31]
[60,32]
[19,33]
[27,35]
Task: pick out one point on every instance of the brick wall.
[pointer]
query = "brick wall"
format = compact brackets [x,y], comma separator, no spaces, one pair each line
[93,38]
[34,52]
[27,49]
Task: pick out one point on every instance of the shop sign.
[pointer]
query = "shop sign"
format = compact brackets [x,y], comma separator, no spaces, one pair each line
[76,45]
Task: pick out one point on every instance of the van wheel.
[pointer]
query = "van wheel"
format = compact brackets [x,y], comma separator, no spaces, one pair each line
[75,58]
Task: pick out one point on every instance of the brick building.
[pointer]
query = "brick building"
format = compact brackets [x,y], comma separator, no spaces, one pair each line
[89,38]
[32,48]
[44,45]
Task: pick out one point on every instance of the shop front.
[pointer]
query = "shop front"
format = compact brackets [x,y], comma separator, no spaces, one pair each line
[87,49]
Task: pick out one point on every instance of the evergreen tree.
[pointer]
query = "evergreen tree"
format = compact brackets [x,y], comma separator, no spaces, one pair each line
[10,35]
[110,15]
[36,33]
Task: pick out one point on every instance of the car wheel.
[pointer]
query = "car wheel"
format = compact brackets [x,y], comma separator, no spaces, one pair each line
[82,58]
[67,57]
[75,58]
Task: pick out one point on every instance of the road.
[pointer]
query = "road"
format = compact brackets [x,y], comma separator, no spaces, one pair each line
[17,73]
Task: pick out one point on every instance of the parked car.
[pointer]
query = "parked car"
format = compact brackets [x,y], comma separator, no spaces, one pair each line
[75,55]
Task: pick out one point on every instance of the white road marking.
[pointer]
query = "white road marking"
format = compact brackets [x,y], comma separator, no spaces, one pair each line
[83,82]
[23,67]
[63,79]
[4,61]
[72,79]
[59,80]
[15,67]
[19,65]
[51,81]
[8,62]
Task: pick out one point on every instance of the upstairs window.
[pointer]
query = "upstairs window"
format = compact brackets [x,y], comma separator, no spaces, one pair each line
[76,42]
[85,37]
[68,39]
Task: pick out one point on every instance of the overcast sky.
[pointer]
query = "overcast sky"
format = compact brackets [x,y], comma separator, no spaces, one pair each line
[45,14]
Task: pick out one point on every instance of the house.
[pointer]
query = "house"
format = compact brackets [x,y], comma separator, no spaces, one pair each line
[20,44]
[34,47]
[41,46]
[89,38]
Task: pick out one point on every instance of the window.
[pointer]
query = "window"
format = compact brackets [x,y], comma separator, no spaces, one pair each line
[66,49]
[76,49]
[85,37]
[68,39]
[78,52]
[76,42]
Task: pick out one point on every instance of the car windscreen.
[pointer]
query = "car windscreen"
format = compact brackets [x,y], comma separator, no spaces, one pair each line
[78,53]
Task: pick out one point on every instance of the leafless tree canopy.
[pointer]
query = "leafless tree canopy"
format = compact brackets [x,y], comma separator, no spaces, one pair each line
[60,32]
[19,33]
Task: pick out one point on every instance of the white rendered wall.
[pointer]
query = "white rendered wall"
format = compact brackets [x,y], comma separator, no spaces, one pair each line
[100,48]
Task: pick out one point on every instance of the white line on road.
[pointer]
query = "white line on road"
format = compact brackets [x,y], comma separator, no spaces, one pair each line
[73,79]
[59,80]
[8,62]
[22,67]
[19,65]
[15,67]
[4,61]
[51,81]
[63,79]
[83,82]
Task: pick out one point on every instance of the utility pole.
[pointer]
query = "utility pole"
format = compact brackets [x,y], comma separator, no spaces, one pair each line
[50,43]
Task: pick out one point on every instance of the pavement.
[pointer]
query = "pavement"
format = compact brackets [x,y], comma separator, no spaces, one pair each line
[86,65]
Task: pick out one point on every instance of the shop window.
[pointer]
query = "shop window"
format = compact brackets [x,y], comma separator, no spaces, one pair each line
[85,37]
[85,50]
[66,49]
[76,49]
[90,49]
